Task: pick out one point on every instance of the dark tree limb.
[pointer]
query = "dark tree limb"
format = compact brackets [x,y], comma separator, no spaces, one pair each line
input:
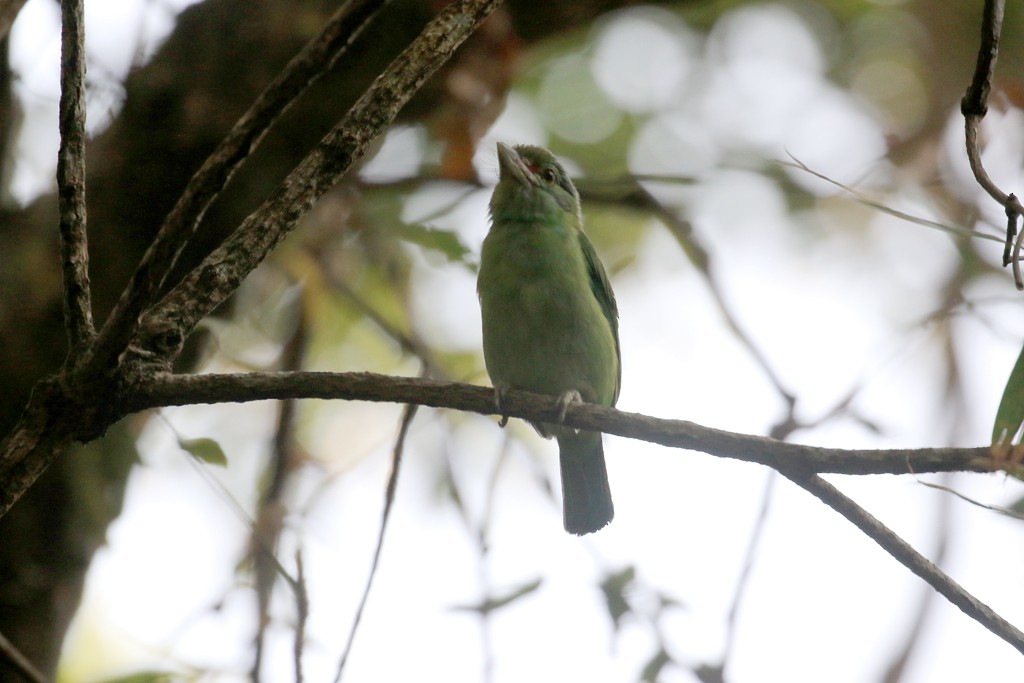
[205,186]
[74,246]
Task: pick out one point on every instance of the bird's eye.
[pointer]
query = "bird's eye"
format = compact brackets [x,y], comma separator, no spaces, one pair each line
[548,175]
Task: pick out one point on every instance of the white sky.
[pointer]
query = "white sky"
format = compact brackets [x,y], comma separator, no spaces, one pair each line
[824,603]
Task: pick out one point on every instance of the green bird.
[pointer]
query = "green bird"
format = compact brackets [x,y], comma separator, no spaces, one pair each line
[550,323]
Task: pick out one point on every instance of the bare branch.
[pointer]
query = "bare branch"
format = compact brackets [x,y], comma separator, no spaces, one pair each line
[166,326]
[205,186]
[47,429]
[747,568]
[908,557]
[168,390]
[974,106]
[74,248]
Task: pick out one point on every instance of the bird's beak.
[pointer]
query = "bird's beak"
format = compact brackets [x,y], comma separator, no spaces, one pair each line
[511,166]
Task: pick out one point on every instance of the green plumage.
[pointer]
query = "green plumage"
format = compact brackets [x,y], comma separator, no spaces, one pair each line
[550,323]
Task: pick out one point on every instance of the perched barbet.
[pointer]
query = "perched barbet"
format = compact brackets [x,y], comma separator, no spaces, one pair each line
[550,323]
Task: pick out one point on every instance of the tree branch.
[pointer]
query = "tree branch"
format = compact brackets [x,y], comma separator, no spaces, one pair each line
[974,106]
[165,327]
[908,557]
[205,186]
[801,464]
[53,418]
[167,390]
[74,248]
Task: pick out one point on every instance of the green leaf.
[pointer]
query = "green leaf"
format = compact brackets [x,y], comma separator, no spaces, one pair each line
[444,241]
[655,664]
[1017,506]
[1010,415]
[204,450]
[615,587]
[493,603]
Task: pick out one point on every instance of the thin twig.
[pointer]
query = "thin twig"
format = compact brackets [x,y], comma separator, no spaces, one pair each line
[748,565]
[907,556]
[302,614]
[1017,278]
[205,186]
[20,662]
[895,213]
[1011,231]
[165,327]
[639,197]
[389,498]
[977,503]
[271,510]
[74,246]
[408,341]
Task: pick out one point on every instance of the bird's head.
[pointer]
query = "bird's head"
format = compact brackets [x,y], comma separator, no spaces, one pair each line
[532,185]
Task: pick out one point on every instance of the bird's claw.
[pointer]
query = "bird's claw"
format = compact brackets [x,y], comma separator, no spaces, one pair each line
[499,400]
[566,400]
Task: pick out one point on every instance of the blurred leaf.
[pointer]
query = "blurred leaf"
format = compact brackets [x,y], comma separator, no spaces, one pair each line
[204,450]
[1010,415]
[614,588]
[666,601]
[654,666]
[445,241]
[1017,506]
[491,604]
[706,673]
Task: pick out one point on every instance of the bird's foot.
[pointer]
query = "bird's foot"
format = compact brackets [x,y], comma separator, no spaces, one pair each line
[499,403]
[566,400]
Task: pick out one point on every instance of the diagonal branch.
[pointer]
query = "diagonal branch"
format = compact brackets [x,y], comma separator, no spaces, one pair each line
[165,327]
[74,247]
[908,557]
[205,186]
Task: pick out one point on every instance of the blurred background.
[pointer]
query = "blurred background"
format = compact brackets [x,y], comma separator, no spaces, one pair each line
[780,194]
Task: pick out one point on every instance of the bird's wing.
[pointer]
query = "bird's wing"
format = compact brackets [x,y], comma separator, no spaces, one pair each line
[602,290]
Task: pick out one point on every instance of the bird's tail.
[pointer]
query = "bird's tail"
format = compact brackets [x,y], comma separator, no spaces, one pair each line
[586,497]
